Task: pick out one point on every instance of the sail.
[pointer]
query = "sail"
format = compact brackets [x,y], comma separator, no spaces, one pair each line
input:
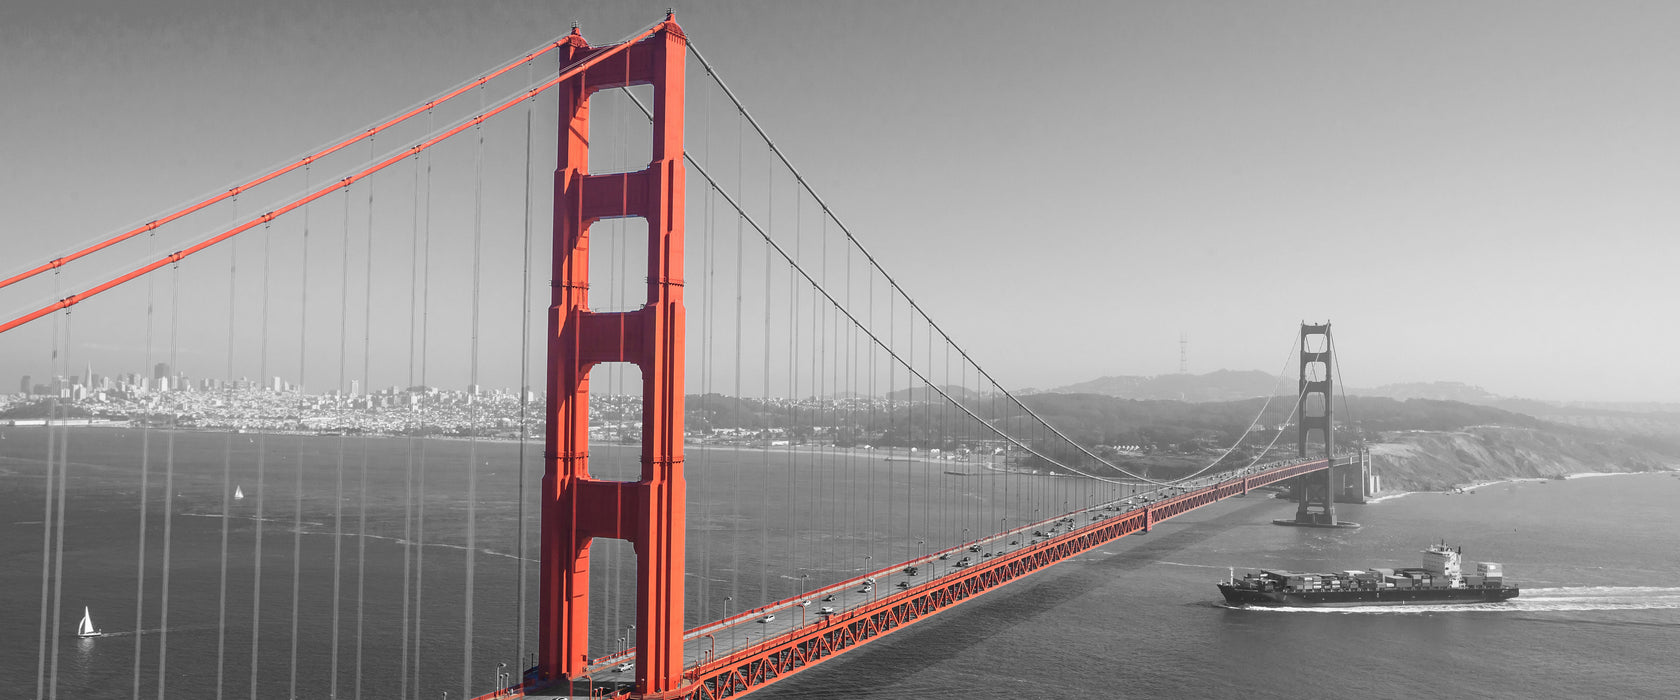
[238,493]
[85,629]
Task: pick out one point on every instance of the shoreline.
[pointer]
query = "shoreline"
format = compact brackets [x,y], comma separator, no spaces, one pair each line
[1513,480]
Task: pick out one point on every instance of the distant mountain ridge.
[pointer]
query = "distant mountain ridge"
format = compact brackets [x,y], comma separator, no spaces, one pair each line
[1221,385]
[1233,385]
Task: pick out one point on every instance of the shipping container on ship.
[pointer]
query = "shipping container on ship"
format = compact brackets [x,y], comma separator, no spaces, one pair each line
[1440,580]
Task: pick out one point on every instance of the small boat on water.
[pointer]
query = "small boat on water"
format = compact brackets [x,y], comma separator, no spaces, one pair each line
[85,629]
[238,493]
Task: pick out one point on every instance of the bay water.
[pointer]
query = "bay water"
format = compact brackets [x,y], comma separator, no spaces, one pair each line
[1599,615]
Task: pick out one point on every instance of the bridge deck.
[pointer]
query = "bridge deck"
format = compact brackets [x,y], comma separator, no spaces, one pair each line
[741,653]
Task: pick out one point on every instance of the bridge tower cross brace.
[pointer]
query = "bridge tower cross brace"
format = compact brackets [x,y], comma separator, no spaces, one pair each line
[577,507]
[1315,392]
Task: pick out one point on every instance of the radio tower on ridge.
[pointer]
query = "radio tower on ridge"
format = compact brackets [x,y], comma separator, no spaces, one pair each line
[1183,353]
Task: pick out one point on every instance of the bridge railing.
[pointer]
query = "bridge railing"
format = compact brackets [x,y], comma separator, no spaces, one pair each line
[775,657]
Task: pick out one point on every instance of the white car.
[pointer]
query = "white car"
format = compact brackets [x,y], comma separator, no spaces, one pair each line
[766,618]
[803,603]
[826,610]
[626,666]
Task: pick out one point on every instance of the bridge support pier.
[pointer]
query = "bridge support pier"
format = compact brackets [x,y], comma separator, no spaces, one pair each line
[576,506]
[1315,493]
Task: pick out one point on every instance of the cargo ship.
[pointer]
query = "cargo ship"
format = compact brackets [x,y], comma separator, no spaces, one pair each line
[1439,581]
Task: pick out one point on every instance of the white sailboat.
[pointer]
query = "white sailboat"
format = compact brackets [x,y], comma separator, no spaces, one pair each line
[238,493]
[85,629]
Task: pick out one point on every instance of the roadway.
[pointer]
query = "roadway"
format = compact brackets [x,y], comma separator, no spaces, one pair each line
[753,628]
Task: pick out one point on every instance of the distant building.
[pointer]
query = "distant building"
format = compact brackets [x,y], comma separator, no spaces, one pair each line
[160,371]
[25,386]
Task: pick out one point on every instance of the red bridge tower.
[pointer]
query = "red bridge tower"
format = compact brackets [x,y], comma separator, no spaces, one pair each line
[576,507]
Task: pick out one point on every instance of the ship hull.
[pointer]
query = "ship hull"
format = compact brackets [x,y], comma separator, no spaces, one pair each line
[1361,597]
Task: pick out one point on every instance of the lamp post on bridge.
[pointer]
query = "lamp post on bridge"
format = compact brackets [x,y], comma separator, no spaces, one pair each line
[498,684]
[726,600]
[803,602]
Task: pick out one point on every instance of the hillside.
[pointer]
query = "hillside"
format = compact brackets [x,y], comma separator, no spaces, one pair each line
[1416,444]
[1439,460]
[1223,385]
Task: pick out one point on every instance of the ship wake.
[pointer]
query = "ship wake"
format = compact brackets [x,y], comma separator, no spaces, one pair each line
[1532,600]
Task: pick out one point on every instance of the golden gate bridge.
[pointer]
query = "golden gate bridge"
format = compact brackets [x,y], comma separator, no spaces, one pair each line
[788,459]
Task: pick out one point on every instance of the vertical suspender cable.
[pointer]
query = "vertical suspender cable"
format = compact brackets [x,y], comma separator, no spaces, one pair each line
[910,432]
[474,399]
[227,462]
[420,470]
[262,460]
[862,434]
[793,399]
[168,489]
[145,487]
[892,423]
[366,395]
[524,393]
[297,493]
[408,391]
[706,359]
[338,488]
[764,484]
[56,521]
[58,539]
[876,438]
[740,323]
[46,527]
[833,405]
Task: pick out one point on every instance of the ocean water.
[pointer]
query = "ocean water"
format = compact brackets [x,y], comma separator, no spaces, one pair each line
[396,576]
[1599,615]
[1597,558]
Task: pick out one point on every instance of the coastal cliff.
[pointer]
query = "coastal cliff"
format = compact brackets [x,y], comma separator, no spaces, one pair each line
[1431,460]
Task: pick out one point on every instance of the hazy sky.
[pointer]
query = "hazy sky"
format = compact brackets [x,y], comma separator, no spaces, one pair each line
[1476,192]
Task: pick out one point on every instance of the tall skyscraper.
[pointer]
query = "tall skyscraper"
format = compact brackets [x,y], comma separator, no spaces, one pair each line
[25,385]
[161,371]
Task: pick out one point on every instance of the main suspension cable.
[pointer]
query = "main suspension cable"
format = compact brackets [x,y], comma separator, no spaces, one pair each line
[403,115]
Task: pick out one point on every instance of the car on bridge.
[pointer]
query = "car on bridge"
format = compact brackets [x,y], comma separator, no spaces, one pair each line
[626,666]
[826,610]
[766,618]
